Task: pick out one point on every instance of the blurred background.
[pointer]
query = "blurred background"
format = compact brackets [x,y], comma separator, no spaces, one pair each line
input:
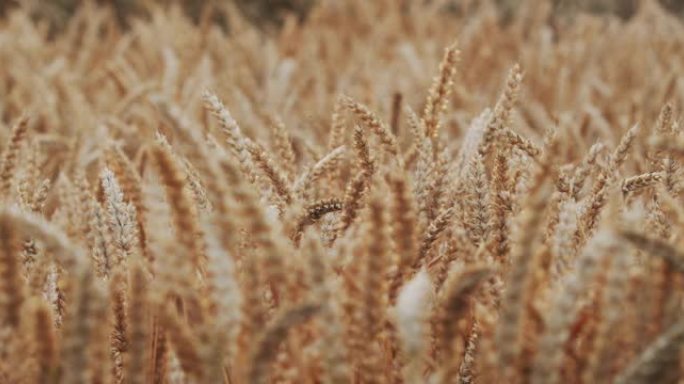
[269,14]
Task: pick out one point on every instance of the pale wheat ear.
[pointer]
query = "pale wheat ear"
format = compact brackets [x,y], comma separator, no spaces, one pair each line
[130,181]
[412,312]
[122,220]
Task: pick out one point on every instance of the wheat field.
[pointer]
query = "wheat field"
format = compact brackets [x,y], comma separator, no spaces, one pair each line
[355,192]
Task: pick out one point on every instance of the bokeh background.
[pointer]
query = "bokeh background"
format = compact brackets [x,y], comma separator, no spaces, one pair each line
[270,13]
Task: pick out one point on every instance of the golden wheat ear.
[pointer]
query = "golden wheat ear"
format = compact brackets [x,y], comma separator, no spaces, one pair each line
[8,162]
[45,342]
[184,342]
[85,313]
[500,119]
[12,290]
[438,96]
[274,174]
[312,214]
[139,329]
[183,212]
[373,122]
[266,348]
[659,362]
[449,331]
[404,232]
[656,247]
[326,166]
[236,139]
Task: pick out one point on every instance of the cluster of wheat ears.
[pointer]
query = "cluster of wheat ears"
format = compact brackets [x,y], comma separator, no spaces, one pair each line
[353,198]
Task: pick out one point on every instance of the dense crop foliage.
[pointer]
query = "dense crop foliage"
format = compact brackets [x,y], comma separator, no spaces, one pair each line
[361,192]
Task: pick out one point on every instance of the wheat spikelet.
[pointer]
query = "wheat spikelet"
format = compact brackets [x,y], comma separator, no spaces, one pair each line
[365,162]
[283,145]
[636,183]
[500,207]
[121,166]
[476,218]
[585,168]
[236,139]
[502,110]
[431,235]
[183,213]
[270,242]
[11,153]
[122,221]
[353,200]
[313,213]
[273,174]
[325,166]
[440,91]
[514,139]
[372,122]
[620,153]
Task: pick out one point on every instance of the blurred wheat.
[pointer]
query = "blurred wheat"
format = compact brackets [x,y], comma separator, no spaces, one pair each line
[378,192]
